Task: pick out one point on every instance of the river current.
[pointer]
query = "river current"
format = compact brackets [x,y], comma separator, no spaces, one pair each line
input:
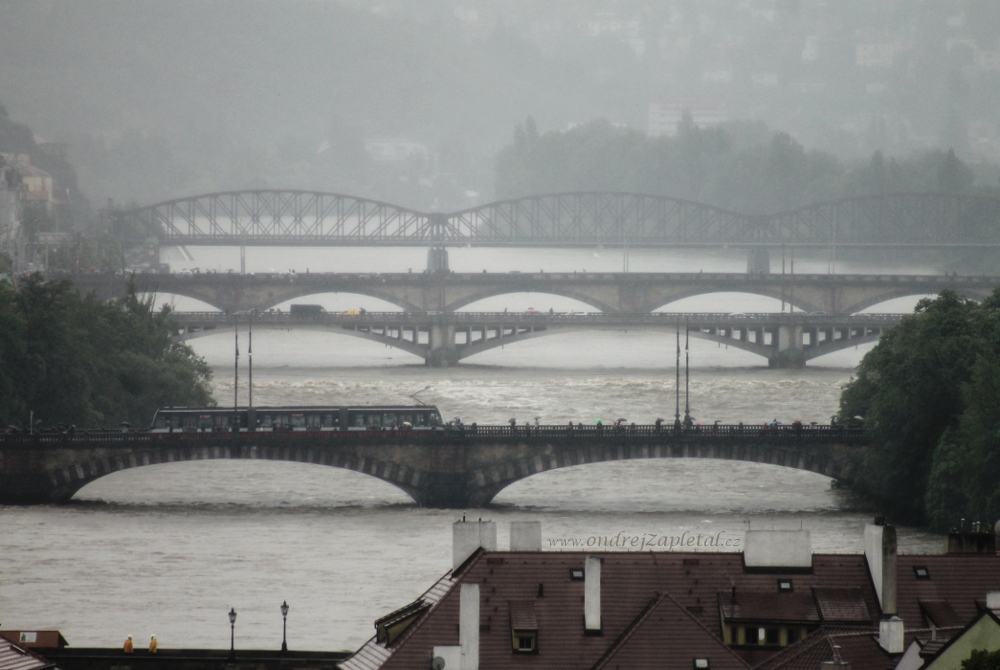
[168,549]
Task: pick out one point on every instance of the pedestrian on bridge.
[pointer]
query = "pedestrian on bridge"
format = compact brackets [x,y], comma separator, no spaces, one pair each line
[152,644]
[127,647]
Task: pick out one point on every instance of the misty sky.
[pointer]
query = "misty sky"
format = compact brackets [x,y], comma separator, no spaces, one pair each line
[410,100]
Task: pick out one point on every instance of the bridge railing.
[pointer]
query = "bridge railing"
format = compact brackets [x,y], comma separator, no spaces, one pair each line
[791,433]
[598,318]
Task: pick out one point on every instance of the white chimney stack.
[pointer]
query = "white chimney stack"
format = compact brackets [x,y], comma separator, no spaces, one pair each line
[890,635]
[468,626]
[880,550]
[592,594]
[525,535]
[993,600]
[467,536]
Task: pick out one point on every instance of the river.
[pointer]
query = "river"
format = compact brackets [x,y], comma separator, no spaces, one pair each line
[169,549]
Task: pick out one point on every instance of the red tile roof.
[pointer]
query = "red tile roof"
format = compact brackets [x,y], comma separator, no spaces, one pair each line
[956,579]
[658,606]
[630,581]
[858,646]
[667,636]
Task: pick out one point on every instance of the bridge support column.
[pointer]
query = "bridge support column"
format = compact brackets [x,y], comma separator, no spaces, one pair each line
[790,352]
[437,259]
[442,352]
[758,262]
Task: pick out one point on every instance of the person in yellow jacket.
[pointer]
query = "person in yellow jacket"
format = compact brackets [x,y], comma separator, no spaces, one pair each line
[152,644]
[128,645]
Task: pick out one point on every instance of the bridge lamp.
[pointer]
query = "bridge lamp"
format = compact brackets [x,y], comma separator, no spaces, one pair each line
[232,634]
[284,625]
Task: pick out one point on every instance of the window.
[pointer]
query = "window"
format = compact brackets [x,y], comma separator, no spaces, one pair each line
[785,585]
[921,572]
[526,643]
[772,636]
[576,574]
[753,634]
[701,663]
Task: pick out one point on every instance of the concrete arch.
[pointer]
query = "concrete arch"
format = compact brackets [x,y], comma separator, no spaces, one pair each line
[574,294]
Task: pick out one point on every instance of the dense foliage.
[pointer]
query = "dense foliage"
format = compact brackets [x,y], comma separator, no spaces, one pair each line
[929,393]
[71,359]
[739,166]
[982,660]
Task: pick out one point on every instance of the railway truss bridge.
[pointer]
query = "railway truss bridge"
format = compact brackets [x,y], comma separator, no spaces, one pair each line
[294,217]
[447,467]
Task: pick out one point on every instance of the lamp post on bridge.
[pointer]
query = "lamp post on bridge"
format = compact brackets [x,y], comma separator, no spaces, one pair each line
[284,625]
[232,634]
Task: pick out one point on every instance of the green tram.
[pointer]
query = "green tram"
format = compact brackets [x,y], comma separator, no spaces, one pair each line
[215,419]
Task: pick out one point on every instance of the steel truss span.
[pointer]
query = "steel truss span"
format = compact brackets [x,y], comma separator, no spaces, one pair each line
[290,218]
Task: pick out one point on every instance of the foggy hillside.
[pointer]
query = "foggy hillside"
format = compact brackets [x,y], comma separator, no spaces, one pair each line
[410,101]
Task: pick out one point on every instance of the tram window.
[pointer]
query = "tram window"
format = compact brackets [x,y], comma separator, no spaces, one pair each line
[298,421]
[329,420]
[389,419]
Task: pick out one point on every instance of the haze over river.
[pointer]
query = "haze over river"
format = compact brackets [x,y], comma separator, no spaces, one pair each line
[168,549]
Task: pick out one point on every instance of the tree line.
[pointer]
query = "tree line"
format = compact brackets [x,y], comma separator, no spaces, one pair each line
[741,166]
[929,392]
[83,361]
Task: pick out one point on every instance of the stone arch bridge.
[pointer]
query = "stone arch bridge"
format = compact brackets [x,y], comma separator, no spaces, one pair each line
[604,291]
[449,468]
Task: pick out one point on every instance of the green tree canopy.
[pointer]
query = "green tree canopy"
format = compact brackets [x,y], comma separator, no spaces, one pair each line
[982,660]
[70,359]
[928,392]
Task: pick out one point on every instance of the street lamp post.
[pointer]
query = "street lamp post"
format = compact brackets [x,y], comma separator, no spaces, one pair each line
[284,625]
[232,634]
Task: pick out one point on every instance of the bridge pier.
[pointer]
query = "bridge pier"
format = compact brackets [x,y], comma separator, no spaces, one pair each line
[437,259]
[790,350]
[442,351]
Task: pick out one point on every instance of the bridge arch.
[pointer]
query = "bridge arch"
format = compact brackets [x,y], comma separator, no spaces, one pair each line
[836,463]
[67,481]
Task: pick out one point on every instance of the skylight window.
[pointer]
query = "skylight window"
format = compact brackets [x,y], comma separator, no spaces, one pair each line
[576,574]
[785,585]
[701,663]
[921,572]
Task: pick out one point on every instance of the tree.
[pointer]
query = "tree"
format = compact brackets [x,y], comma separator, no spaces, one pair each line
[928,394]
[982,660]
[81,360]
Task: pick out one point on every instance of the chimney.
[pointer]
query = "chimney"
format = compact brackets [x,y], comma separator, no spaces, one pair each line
[880,551]
[525,535]
[993,601]
[890,635]
[777,549]
[592,595]
[467,536]
[980,539]
[468,626]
